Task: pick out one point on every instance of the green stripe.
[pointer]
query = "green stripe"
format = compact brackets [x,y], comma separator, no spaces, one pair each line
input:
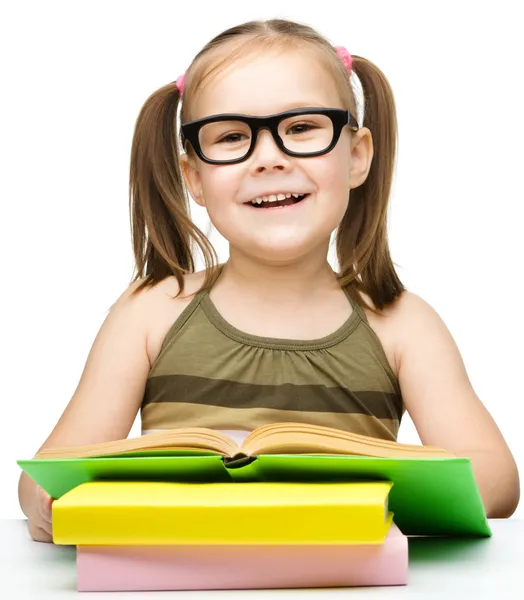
[233,394]
[199,349]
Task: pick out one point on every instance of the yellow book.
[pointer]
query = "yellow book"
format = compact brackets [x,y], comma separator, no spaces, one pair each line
[168,513]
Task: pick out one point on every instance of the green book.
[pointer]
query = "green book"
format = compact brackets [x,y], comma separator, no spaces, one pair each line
[433,492]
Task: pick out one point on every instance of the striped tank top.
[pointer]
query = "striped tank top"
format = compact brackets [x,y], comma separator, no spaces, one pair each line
[210,374]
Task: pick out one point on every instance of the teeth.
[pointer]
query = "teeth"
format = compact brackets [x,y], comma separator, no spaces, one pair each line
[274,197]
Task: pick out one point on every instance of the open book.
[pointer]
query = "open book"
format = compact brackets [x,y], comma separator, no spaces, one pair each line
[434,492]
[276,438]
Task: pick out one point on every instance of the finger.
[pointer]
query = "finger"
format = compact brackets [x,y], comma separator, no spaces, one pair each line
[44,513]
[39,534]
[44,496]
[44,503]
[45,526]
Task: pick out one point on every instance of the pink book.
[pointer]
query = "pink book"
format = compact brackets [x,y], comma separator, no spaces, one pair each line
[134,568]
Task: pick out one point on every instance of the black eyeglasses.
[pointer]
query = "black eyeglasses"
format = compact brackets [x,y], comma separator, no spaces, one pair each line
[231,138]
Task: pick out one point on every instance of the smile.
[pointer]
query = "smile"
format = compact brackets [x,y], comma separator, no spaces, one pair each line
[277,201]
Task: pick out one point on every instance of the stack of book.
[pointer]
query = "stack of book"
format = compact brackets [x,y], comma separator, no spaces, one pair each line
[296,505]
[195,536]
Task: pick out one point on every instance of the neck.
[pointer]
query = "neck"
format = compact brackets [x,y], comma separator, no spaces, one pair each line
[308,277]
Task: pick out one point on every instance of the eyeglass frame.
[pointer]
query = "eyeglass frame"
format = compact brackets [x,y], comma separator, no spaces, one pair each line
[339,118]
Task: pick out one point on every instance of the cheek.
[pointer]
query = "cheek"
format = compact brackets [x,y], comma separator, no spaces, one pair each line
[331,176]
[219,186]
[334,169]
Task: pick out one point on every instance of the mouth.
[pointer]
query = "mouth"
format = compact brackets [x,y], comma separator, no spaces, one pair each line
[272,202]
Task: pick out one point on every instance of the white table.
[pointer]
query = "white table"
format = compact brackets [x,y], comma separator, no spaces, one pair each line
[438,568]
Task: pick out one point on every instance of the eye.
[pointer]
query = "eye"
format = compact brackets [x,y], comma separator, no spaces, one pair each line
[301,128]
[231,138]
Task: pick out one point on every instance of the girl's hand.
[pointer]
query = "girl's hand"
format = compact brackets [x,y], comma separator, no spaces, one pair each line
[39,524]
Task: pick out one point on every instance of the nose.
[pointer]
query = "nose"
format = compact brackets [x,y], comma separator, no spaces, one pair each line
[267,155]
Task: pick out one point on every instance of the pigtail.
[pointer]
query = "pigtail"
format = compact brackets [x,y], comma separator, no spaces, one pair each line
[162,231]
[362,240]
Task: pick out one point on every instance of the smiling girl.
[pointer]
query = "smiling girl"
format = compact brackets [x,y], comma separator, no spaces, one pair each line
[270,145]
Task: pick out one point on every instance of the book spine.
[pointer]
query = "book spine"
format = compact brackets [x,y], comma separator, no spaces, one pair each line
[249,524]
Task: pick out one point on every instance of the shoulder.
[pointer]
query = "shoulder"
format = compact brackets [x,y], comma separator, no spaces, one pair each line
[413,317]
[407,311]
[414,323]
[160,306]
[430,365]
[153,309]
[168,288]
[402,325]
[387,326]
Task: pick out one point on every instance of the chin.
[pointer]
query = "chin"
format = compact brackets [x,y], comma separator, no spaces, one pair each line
[280,252]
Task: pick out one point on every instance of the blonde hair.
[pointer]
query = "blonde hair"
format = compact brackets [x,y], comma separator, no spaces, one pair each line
[163,233]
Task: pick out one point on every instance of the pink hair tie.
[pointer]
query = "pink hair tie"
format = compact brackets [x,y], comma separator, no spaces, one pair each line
[345,57]
[180,82]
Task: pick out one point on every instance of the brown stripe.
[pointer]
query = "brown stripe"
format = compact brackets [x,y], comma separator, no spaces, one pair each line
[233,394]
[180,414]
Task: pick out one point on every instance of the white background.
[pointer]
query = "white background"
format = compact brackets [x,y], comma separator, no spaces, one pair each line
[74,76]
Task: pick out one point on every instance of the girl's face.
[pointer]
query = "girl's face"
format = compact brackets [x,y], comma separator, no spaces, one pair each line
[262,85]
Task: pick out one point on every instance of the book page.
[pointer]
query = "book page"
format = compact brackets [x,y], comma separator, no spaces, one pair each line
[187,438]
[304,438]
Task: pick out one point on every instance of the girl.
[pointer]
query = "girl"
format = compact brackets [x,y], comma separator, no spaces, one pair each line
[272,149]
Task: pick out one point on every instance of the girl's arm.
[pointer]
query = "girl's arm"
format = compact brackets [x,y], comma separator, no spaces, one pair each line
[444,407]
[108,395]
